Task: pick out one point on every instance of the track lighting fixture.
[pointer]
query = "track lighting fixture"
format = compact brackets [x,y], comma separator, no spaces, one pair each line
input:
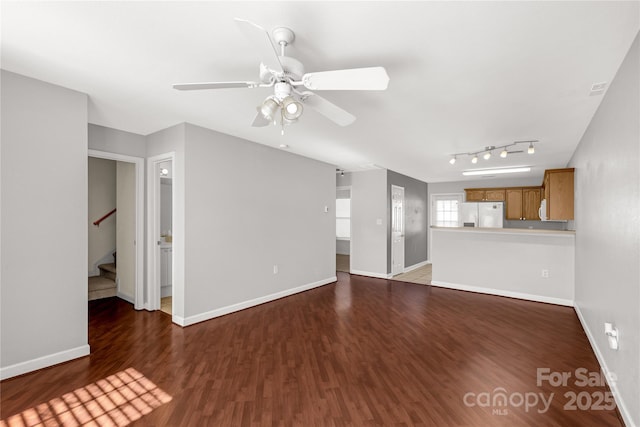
[488,151]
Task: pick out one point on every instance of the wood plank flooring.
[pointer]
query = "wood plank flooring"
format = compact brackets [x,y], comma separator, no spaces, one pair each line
[358,352]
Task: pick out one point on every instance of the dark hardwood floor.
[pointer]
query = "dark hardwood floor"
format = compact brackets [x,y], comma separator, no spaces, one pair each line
[361,351]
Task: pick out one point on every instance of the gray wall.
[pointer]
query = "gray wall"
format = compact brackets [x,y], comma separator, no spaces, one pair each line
[43,224]
[369,223]
[607,219]
[416,218]
[245,214]
[116,141]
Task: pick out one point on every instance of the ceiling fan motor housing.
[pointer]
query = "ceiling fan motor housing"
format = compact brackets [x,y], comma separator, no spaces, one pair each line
[292,67]
[282,90]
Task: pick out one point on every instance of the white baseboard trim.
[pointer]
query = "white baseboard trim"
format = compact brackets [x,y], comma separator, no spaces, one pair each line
[624,411]
[247,304]
[43,362]
[503,293]
[126,297]
[370,274]
[415,266]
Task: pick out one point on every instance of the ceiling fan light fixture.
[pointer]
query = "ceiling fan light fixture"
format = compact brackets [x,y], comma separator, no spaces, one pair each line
[291,109]
[269,108]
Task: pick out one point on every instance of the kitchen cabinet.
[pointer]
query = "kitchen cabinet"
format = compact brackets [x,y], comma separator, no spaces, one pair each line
[558,192]
[522,203]
[484,194]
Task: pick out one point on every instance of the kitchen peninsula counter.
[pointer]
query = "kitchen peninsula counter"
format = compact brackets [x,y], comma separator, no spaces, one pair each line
[516,231]
[531,264]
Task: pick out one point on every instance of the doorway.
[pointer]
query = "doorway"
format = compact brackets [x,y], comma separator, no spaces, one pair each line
[343,229]
[397,230]
[160,231]
[126,268]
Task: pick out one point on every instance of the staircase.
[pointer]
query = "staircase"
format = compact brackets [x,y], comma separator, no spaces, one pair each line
[104,285]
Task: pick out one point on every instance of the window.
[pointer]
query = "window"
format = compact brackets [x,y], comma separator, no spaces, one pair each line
[446,212]
[343,214]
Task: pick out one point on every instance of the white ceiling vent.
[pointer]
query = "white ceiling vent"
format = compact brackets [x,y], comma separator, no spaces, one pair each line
[598,89]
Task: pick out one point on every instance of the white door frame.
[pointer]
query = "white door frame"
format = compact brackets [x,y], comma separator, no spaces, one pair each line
[402,235]
[138,302]
[153,229]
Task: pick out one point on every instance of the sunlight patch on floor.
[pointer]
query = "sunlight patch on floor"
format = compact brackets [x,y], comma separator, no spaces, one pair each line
[117,400]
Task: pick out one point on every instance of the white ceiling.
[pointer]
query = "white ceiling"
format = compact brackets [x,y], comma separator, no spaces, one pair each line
[464,75]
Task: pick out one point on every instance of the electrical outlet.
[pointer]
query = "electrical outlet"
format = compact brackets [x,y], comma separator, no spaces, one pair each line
[545,274]
[275,269]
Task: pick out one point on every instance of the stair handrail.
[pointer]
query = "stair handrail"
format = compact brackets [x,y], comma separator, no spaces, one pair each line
[97,222]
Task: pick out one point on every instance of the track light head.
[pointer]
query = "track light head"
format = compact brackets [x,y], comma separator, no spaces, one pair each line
[531,150]
[487,155]
[453,160]
[474,160]
[504,153]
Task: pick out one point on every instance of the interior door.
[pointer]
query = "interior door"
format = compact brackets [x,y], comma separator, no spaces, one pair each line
[397,230]
[126,228]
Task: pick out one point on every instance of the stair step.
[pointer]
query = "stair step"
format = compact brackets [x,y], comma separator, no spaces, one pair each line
[101,287]
[108,270]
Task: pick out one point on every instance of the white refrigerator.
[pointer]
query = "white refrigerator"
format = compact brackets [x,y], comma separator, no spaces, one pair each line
[482,214]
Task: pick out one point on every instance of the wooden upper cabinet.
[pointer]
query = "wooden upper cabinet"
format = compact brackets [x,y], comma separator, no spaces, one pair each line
[558,191]
[495,195]
[531,198]
[484,194]
[513,204]
[523,203]
[474,195]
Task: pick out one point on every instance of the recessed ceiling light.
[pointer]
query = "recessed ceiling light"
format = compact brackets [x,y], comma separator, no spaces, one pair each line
[495,171]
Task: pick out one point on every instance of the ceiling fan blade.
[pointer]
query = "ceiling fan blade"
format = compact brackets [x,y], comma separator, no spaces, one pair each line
[259,120]
[214,85]
[329,110]
[373,78]
[260,37]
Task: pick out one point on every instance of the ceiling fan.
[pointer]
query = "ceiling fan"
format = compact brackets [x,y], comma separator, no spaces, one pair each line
[287,77]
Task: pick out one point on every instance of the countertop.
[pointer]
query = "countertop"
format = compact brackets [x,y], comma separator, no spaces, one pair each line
[516,231]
